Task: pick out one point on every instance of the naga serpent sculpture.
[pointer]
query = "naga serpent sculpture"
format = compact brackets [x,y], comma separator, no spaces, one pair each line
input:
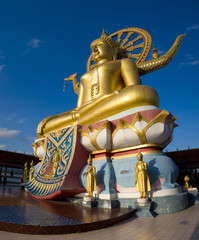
[155,64]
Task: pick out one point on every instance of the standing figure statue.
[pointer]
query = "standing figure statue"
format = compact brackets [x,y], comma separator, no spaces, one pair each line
[141,176]
[25,172]
[31,172]
[90,177]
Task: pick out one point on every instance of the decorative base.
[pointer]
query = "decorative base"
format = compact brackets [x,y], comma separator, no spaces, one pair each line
[142,200]
[189,189]
[91,203]
[159,205]
[193,196]
[88,199]
[144,210]
[22,185]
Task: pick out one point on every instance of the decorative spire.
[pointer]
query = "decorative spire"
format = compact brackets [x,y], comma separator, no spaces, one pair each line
[155,53]
[104,35]
[109,40]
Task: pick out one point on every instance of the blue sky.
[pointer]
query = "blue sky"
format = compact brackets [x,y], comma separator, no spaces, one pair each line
[44,41]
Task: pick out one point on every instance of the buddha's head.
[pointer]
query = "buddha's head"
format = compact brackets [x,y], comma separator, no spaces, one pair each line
[106,48]
[139,156]
[89,161]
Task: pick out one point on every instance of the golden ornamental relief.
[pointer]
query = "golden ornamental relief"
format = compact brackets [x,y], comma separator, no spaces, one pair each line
[54,163]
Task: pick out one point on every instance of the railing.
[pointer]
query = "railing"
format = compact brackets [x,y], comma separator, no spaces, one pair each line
[5,179]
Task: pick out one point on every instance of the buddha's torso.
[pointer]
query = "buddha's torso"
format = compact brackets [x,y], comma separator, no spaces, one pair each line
[141,167]
[103,79]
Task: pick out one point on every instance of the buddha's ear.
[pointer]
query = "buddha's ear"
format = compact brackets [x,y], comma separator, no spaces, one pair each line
[115,53]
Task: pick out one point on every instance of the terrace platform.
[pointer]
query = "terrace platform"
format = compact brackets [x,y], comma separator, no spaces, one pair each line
[22,213]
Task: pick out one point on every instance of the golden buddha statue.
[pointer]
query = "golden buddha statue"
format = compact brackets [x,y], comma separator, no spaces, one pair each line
[186,181]
[90,178]
[31,172]
[25,172]
[112,85]
[141,176]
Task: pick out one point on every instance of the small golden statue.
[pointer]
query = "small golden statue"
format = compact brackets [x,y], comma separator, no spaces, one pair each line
[186,181]
[55,161]
[90,178]
[31,172]
[25,172]
[112,84]
[141,176]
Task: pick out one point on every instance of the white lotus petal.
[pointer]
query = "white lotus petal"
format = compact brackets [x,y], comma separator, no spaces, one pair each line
[87,144]
[140,125]
[125,138]
[103,139]
[158,133]
[92,134]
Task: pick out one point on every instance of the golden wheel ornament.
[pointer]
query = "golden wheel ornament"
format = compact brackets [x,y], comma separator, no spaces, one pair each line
[135,42]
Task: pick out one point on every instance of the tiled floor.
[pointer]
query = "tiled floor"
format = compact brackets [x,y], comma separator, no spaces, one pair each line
[181,225]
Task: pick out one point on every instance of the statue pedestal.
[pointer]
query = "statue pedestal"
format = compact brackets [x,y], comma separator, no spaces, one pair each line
[89,199]
[113,145]
[142,200]
[110,204]
[22,185]
[89,202]
[144,209]
[193,195]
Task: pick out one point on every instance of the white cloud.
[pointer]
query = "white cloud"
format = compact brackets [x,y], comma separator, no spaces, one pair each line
[15,134]
[34,43]
[19,151]
[190,56]
[6,133]
[11,117]
[2,146]
[161,52]
[2,67]
[196,62]
[21,120]
[30,139]
[193,27]
[1,56]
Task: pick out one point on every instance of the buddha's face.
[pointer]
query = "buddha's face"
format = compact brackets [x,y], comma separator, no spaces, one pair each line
[101,50]
[89,161]
[139,157]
